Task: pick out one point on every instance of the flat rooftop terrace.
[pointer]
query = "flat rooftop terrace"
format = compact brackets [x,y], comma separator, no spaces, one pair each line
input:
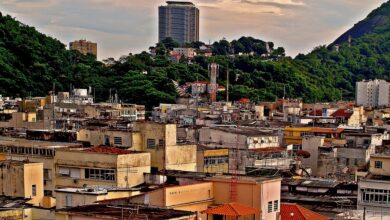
[19,142]
[130,211]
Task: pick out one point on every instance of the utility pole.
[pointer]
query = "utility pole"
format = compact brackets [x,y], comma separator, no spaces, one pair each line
[227,83]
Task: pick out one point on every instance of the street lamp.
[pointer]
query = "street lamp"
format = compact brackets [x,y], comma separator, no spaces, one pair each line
[292,215]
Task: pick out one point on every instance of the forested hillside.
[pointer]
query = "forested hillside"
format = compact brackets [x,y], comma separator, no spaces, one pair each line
[30,62]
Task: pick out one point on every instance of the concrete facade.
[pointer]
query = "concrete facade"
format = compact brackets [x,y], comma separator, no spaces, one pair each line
[23,180]
[260,193]
[79,168]
[372,93]
[73,197]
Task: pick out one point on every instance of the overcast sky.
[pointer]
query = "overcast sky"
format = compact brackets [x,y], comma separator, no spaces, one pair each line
[129,26]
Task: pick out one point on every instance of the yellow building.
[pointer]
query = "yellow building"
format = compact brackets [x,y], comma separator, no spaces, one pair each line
[160,141]
[22,179]
[122,138]
[72,197]
[213,160]
[194,197]
[293,135]
[156,138]
[100,166]
[380,165]
[31,105]
[34,151]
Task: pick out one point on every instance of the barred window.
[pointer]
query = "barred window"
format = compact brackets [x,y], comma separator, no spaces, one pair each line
[276,205]
[118,140]
[269,207]
[151,143]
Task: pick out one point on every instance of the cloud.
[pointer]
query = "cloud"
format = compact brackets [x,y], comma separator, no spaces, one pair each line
[123,26]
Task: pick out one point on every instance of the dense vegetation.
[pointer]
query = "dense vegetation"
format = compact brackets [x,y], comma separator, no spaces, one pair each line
[30,62]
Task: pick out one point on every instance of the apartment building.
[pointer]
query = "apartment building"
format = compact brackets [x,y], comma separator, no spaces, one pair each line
[159,139]
[194,197]
[35,151]
[247,145]
[180,21]
[22,179]
[100,166]
[261,193]
[374,189]
[293,135]
[185,52]
[372,93]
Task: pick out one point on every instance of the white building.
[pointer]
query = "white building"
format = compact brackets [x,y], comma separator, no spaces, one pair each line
[374,189]
[372,93]
[186,52]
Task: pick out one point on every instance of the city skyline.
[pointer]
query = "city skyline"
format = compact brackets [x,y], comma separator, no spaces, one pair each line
[297,25]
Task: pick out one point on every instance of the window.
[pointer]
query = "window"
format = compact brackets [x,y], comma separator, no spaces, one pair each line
[47,193]
[269,207]
[378,196]
[151,143]
[161,143]
[34,190]
[68,200]
[64,171]
[75,173]
[215,160]
[276,205]
[118,140]
[107,140]
[69,172]
[378,164]
[46,174]
[98,174]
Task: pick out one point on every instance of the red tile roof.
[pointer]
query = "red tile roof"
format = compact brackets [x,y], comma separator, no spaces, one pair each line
[344,113]
[316,113]
[244,100]
[107,150]
[231,209]
[300,213]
